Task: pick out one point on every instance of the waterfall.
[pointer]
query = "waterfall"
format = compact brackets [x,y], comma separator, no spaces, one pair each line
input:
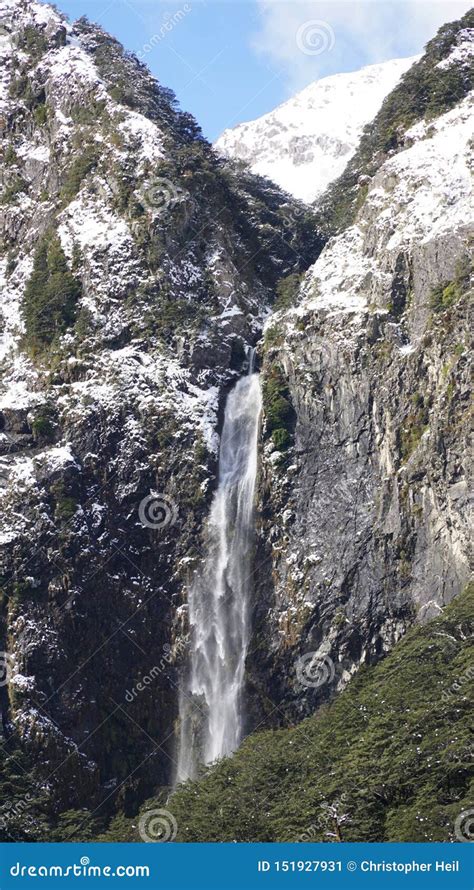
[211,718]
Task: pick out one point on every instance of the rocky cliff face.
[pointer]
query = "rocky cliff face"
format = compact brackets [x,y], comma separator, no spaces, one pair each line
[365,510]
[136,270]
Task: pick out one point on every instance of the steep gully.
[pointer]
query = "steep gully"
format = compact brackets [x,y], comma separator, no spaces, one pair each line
[211,705]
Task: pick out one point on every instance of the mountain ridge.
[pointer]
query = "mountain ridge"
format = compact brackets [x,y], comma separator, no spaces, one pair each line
[305,142]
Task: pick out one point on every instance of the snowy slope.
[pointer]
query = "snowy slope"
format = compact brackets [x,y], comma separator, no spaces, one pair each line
[418,201]
[305,143]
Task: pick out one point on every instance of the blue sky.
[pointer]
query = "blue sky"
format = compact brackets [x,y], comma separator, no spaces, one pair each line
[233,60]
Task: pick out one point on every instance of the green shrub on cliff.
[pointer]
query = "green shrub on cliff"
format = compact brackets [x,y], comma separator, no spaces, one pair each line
[279,412]
[33,42]
[10,157]
[446,295]
[43,425]
[287,291]
[22,798]
[82,165]
[13,188]
[51,296]
[78,825]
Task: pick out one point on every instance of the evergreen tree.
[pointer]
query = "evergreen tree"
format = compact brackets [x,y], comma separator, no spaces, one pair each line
[51,296]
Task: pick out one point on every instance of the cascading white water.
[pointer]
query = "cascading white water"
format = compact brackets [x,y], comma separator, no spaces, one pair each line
[211,715]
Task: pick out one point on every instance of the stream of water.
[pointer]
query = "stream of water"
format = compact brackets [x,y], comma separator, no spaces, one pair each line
[211,695]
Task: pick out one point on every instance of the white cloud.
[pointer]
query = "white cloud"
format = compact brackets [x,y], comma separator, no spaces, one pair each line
[365,31]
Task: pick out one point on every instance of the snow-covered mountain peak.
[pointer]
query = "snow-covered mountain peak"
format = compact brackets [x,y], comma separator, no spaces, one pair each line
[305,143]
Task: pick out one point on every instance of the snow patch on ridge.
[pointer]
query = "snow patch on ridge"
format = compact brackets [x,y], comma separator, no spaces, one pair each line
[69,61]
[106,245]
[30,13]
[432,175]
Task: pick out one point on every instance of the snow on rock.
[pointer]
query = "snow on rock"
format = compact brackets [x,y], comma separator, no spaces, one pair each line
[22,683]
[39,153]
[14,15]
[339,278]
[12,289]
[146,135]
[462,52]
[70,64]
[23,473]
[155,383]
[19,382]
[416,198]
[432,175]
[31,13]
[305,144]
[57,457]
[92,224]
[106,245]
[5,71]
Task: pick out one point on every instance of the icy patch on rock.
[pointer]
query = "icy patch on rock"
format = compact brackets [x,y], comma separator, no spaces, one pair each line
[93,225]
[58,457]
[12,289]
[338,280]
[151,384]
[433,177]
[18,385]
[32,13]
[107,251]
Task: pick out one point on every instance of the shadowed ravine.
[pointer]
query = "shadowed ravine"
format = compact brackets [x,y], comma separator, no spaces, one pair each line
[211,693]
